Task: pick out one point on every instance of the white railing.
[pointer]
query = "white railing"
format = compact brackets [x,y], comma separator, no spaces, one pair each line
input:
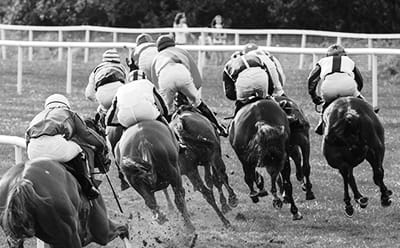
[203,33]
[20,146]
[373,52]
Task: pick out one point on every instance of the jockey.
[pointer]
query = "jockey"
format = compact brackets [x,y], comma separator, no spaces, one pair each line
[244,77]
[142,56]
[340,77]
[136,101]
[54,133]
[273,67]
[175,71]
[105,79]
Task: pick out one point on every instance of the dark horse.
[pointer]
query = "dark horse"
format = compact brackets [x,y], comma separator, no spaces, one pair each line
[203,149]
[299,145]
[354,133]
[259,134]
[148,155]
[41,198]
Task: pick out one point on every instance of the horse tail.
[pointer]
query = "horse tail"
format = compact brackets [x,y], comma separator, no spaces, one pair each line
[347,128]
[267,142]
[141,166]
[17,220]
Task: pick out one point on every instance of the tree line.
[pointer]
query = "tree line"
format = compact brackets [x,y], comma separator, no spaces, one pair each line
[368,16]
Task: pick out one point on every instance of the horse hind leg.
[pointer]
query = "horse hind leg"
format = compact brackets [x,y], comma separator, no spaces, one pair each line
[306,168]
[349,210]
[222,177]
[181,205]
[358,197]
[198,184]
[287,185]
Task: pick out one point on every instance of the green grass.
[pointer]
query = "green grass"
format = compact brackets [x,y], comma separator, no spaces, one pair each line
[324,223]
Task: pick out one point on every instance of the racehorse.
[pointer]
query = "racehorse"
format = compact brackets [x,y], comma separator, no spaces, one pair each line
[353,133]
[41,198]
[259,135]
[148,155]
[203,149]
[299,145]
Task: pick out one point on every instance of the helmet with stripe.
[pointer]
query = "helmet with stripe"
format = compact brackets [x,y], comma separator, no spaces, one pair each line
[335,50]
[111,55]
[143,38]
[249,47]
[165,41]
[56,101]
[136,75]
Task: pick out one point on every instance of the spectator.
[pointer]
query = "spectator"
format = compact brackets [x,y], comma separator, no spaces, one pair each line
[218,38]
[180,22]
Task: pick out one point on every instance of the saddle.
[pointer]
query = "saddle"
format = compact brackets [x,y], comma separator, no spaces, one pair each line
[241,103]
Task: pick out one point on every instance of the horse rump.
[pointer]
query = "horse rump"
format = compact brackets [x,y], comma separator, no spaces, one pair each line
[345,130]
[17,218]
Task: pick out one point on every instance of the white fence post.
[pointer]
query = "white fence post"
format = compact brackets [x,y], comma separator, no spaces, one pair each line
[69,71]
[374,81]
[3,48]
[237,39]
[339,40]
[87,39]
[30,49]
[19,71]
[115,37]
[369,56]
[269,39]
[60,50]
[303,45]
[201,54]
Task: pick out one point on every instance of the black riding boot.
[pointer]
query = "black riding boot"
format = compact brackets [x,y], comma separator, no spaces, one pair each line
[321,124]
[81,174]
[209,115]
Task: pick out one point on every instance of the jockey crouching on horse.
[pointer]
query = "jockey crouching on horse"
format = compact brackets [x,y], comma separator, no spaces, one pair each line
[175,71]
[142,56]
[340,77]
[104,81]
[136,101]
[55,132]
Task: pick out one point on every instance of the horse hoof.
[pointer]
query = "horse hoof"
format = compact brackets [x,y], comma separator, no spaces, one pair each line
[255,199]
[160,218]
[286,199]
[389,192]
[363,202]
[349,211]
[297,216]
[233,201]
[386,202]
[225,208]
[262,193]
[277,204]
[304,187]
[299,177]
[310,196]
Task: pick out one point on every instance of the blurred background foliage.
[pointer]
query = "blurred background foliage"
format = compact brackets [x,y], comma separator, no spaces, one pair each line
[369,16]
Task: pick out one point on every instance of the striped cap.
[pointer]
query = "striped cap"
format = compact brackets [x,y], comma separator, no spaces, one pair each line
[111,55]
[143,38]
[136,75]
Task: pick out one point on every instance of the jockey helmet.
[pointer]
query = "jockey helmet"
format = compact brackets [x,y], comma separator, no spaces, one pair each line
[165,41]
[335,50]
[249,47]
[56,101]
[136,75]
[111,55]
[143,38]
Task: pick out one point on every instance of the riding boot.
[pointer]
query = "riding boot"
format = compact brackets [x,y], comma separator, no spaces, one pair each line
[81,174]
[238,105]
[209,115]
[182,147]
[376,109]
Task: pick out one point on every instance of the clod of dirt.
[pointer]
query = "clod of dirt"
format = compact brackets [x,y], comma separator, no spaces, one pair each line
[240,217]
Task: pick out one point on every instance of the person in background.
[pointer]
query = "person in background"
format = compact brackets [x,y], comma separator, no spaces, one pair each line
[105,79]
[176,71]
[217,38]
[142,56]
[181,38]
[54,133]
[339,76]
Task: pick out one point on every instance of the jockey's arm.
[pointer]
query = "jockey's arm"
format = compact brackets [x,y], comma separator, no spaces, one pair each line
[86,134]
[195,73]
[229,86]
[358,78]
[282,76]
[160,103]
[313,80]
[90,92]
[272,71]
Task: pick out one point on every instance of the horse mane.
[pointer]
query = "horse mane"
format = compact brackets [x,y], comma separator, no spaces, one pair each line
[266,143]
[346,130]
[17,219]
